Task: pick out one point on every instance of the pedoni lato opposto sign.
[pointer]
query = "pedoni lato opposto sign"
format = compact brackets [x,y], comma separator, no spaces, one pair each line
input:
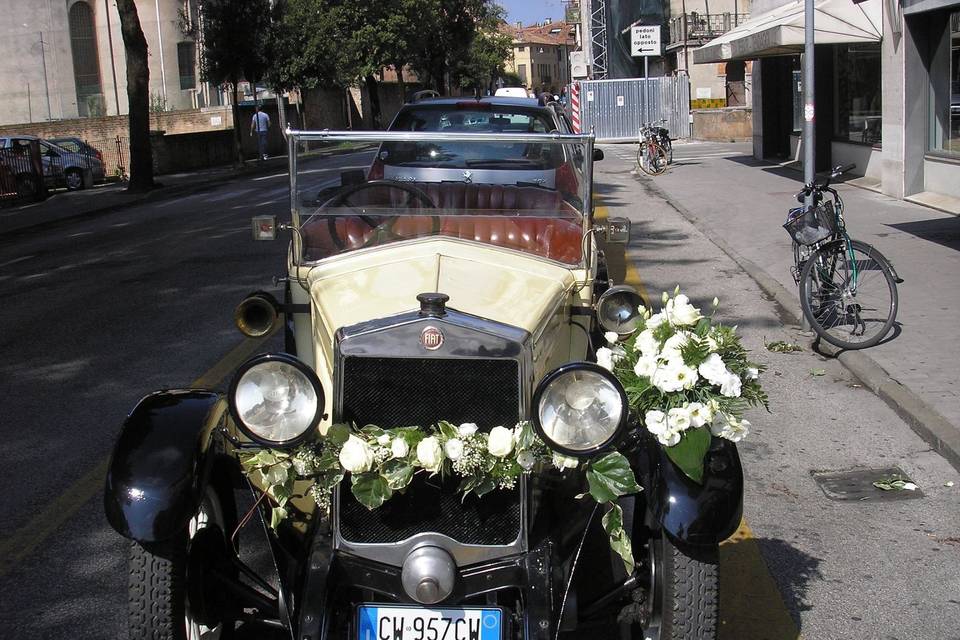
[645,40]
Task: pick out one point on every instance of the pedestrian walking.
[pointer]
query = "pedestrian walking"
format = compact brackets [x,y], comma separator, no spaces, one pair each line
[260,124]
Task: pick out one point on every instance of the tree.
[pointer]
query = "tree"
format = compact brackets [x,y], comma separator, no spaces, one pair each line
[487,54]
[235,36]
[138,97]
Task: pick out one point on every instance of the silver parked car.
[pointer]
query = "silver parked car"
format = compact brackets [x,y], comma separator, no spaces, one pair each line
[61,167]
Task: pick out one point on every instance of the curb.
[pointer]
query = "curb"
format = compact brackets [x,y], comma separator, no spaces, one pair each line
[923,419]
[165,193]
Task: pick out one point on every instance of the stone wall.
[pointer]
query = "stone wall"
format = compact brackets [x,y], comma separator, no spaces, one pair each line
[723,125]
[177,152]
[107,127]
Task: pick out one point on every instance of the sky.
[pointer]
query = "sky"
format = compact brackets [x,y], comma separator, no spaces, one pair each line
[530,11]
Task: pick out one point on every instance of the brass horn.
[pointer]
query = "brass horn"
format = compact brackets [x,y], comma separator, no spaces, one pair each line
[257,314]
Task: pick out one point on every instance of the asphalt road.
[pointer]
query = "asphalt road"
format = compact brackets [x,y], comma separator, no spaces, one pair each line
[98,312]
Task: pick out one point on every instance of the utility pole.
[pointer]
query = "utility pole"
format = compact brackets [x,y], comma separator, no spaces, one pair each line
[809,126]
[46,86]
[113,66]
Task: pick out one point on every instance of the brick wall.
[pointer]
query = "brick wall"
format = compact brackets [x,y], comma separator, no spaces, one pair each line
[723,125]
[108,127]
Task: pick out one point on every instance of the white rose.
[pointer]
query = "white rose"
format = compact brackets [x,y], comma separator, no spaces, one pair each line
[678,419]
[647,344]
[730,387]
[752,373]
[500,442]
[453,448]
[671,348]
[356,456]
[383,439]
[674,377]
[605,358]
[656,422]
[681,312]
[399,448]
[656,320]
[564,462]
[430,454]
[526,460]
[612,337]
[467,429]
[646,366]
[700,414]
[713,369]
[729,427]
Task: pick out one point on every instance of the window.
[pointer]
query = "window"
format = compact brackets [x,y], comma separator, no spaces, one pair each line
[522,72]
[521,49]
[857,114]
[186,58]
[86,64]
[945,92]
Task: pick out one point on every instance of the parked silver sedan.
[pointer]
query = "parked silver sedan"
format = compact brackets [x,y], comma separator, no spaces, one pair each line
[61,167]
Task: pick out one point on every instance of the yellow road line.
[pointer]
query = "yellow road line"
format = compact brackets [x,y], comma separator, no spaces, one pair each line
[25,540]
[751,607]
[614,258]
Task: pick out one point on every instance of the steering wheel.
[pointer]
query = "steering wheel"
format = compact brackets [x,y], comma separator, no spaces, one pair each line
[342,199]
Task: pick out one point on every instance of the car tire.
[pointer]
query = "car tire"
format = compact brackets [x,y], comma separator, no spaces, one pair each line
[73,179]
[158,607]
[682,602]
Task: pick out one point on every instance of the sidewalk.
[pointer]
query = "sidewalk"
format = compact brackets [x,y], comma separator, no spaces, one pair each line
[741,203]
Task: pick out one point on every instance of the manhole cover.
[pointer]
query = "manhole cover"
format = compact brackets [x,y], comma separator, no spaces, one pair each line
[857,484]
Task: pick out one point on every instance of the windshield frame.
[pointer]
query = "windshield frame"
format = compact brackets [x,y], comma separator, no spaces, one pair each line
[294,137]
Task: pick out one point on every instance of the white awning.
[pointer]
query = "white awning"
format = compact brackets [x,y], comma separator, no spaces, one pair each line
[780,31]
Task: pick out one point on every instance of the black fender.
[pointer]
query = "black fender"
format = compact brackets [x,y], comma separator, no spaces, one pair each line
[692,513]
[161,463]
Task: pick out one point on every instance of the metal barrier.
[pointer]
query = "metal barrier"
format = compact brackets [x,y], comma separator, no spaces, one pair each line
[614,109]
[113,152]
[21,175]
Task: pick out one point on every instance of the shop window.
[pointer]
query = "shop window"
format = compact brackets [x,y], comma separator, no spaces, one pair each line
[857,90]
[945,90]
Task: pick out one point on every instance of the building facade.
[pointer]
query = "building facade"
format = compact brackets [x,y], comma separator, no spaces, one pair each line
[887,82]
[541,55]
[62,59]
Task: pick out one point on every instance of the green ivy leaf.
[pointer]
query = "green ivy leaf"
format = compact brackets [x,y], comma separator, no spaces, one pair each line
[278,515]
[281,493]
[469,483]
[619,540]
[526,438]
[398,473]
[371,489]
[338,434]
[688,454]
[330,479]
[278,473]
[610,477]
[372,430]
[485,487]
[447,430]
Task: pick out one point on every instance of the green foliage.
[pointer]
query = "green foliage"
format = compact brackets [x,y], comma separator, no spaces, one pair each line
[619,540]
[371,489]
[688,454]
[484,59]
[610,477]
[235,40]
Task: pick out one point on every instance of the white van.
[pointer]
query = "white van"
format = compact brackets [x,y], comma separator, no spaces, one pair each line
[512,92]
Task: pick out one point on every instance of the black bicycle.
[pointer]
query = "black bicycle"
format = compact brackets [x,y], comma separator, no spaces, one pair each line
[848,289]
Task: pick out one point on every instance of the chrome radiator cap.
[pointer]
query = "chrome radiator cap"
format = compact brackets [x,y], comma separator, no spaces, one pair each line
[429,574]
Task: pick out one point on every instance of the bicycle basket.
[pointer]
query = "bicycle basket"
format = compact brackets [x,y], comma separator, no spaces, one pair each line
[810,226]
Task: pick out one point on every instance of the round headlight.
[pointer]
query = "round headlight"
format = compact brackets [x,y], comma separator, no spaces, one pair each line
[618,309]
[579,409]
[276,400]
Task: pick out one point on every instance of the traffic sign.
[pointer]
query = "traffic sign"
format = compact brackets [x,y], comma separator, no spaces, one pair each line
[645,41]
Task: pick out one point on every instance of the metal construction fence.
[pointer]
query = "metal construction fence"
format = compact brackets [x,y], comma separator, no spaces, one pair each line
[615,109]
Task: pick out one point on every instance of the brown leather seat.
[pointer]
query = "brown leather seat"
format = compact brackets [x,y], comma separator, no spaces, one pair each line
[459,213]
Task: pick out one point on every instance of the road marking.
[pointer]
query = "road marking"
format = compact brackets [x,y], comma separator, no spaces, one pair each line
[750,602]
[15,261]
[25,540]
[229,194]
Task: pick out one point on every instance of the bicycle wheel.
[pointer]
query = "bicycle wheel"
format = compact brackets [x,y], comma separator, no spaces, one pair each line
[651,158]
[848,293]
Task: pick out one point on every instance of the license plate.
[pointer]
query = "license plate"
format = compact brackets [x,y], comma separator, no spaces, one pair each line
[416,623]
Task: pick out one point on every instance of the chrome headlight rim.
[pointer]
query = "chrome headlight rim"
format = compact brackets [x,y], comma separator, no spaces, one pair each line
[308,373]
[607,297]
[615,437]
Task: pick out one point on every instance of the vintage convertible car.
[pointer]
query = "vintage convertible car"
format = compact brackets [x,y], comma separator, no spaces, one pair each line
[410,303]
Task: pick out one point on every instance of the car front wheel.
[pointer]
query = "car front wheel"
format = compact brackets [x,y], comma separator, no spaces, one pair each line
[159,606]
[683,599]
[74,179]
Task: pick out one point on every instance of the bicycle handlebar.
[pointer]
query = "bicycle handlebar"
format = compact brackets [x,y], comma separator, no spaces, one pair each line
[815,188]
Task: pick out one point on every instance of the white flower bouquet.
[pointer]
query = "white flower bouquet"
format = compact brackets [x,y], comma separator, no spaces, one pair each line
[686,379]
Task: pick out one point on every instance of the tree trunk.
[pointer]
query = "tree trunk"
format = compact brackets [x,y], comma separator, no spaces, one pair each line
[374,95]
[235,107]
[138,96]
[401,85]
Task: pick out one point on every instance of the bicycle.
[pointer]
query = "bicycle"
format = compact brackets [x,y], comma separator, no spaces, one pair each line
[651,156]
[848,289]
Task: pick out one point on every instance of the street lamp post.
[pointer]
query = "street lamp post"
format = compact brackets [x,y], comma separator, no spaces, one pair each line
[809,125]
